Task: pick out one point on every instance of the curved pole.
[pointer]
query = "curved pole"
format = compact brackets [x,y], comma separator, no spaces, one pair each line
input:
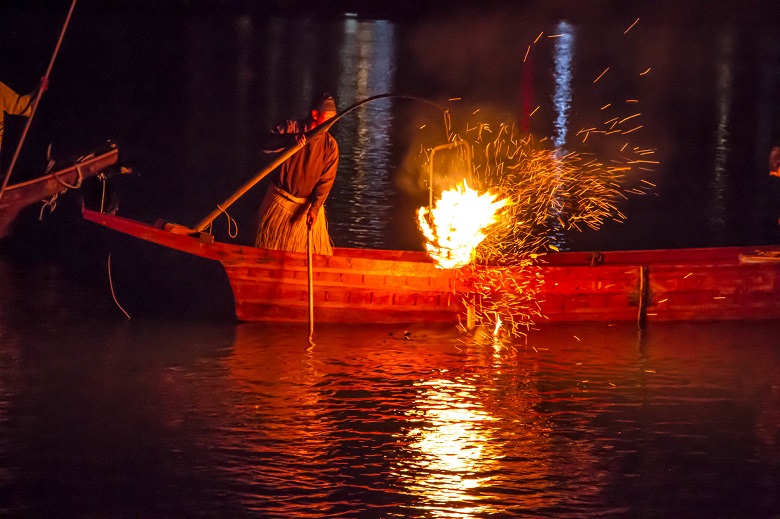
[35,102]
[289,152]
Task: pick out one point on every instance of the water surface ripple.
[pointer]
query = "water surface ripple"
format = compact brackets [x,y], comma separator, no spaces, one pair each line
[159,419]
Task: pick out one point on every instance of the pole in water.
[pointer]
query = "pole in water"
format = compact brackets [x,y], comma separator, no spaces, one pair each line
[310,269]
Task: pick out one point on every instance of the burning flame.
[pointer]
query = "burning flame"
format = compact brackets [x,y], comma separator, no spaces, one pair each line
[457,223]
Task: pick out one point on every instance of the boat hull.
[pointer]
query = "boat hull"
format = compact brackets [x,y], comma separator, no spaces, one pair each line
[357,285]
[346,289]
[661,285]
[352,286]
[20,195]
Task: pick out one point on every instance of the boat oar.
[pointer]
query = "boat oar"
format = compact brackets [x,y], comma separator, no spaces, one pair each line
[35,102]
[310,269]
[289,152]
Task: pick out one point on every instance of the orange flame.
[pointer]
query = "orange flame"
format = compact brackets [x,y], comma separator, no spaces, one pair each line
[457,224]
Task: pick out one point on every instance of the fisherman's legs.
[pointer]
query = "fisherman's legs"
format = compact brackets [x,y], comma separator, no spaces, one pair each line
[282,224]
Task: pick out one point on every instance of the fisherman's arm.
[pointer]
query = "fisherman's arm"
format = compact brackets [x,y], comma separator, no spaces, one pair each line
[15,104]
[323,187]
[283,137]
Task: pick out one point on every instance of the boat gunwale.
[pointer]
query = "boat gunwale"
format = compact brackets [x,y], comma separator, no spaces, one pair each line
[111,154]
[234,255]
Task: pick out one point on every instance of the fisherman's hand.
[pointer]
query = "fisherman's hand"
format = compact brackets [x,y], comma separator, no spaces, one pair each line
[300,139]
[311,217]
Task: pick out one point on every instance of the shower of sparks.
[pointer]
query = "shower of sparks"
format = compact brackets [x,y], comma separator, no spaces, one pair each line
[545,187]
[576,190]
[631,27]
[457,223]
[539,188]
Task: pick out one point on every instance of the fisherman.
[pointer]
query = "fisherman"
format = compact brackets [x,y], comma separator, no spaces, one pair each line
[14,104]
[301,184]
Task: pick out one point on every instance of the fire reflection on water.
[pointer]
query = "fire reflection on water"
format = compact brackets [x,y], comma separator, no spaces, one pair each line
[587,420]
[454,447]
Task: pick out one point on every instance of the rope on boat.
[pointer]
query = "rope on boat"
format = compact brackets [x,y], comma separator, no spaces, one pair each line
[232,224]
[50,203]
[64,184]
[113,294]
[102,178]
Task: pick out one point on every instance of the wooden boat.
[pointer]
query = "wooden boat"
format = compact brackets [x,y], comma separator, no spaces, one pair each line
[357,285]
[18,196]
[725,283]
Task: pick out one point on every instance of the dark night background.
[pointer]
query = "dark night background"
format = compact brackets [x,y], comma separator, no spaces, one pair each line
[186,88]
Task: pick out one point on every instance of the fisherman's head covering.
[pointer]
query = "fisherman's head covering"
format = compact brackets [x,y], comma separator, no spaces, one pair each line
[323,102]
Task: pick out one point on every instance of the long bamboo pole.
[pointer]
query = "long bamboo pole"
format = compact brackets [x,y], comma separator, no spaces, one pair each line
[289,152]
[37,99]
[310,269]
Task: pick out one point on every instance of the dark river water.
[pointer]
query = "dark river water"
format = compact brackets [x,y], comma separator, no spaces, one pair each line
[170,418]
[181,412]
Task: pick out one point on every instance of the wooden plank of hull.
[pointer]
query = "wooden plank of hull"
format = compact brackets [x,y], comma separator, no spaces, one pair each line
[603,293]
[714,292]
[346,289]
[684,285]
[288,310]
[720,255]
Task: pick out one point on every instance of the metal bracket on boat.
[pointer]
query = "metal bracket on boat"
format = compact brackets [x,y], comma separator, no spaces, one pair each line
[176,228]
[463,148]
[596,258]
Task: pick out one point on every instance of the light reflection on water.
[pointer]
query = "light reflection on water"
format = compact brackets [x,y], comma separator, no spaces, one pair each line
[453,447]
[719,182]
[156,418]
[364,189]
[561,100]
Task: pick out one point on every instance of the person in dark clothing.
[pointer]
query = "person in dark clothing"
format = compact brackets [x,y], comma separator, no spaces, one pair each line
[301,184]
[13,104]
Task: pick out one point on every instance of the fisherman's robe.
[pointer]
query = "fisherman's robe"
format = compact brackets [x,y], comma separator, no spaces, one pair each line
[13,104]
[300,184]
